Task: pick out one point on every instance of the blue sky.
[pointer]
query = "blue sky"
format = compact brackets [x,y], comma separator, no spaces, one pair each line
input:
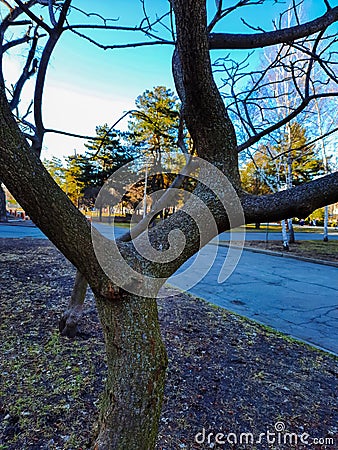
[87,86]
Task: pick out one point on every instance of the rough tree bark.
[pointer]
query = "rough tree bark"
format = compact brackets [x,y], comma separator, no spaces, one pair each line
[132,405]
[135,351]
[69,321]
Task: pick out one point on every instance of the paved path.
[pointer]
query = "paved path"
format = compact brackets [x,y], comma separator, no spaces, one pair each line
[295,297]
[316,235]
[23,229]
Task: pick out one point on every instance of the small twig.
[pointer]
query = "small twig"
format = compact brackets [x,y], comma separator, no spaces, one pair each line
[35,18]
[104,20]
[7,4]
[327,4]
[116,46]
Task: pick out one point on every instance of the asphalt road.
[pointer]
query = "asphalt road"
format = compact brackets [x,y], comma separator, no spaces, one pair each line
[21,230]
[317,235]
[295,297]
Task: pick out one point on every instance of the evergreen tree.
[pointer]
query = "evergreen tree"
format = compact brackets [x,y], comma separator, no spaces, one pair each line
[154,126]
[306,164]
[268,170]
[105,155]
[74,187]
[86,174]
[57,170]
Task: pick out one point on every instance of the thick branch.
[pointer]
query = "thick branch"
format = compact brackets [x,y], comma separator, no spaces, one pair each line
[203,108]
[249,41]
[28,71]
[25,7]
[48,206]
[54,36]
[300,201]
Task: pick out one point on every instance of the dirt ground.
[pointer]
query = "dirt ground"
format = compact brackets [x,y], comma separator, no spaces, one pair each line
[226,374]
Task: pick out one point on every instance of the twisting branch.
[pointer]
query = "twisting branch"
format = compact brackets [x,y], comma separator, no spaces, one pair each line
[257,137]
[259,40]
[54,36]
[28,71]
[92,14]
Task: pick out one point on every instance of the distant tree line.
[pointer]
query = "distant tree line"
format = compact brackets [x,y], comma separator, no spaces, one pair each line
[152,130]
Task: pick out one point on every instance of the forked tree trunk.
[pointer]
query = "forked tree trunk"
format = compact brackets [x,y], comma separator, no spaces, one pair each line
[69,321]
[137,362]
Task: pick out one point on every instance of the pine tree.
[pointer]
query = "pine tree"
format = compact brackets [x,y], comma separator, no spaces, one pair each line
[105,155]
[154,126]
[57,170]
[74,187]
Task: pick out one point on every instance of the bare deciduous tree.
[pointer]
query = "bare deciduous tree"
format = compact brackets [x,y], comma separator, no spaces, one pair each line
[135,352]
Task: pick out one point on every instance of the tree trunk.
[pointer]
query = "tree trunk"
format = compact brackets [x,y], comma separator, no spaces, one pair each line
[137,362]
[68,324]
[285,236]
[3,215]
[291,232]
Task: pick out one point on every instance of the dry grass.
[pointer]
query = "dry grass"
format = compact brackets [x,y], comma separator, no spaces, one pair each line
[225,373]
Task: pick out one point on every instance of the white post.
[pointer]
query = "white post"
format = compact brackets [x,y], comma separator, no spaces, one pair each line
[145,192]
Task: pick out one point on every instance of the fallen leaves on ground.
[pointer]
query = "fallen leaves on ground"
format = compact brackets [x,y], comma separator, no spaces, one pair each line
[226,374]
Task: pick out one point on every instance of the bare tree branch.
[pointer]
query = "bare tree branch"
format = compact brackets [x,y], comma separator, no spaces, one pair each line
[92,14]
[328,6]
[308,144]
[54,36]
[120,46]
[249,41]
[51,13]
[254,139]
[8,5]
[26,8]
[26,38]
[28,71]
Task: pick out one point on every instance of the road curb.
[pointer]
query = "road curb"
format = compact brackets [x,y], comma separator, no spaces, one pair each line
[280,254]
[19,223]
